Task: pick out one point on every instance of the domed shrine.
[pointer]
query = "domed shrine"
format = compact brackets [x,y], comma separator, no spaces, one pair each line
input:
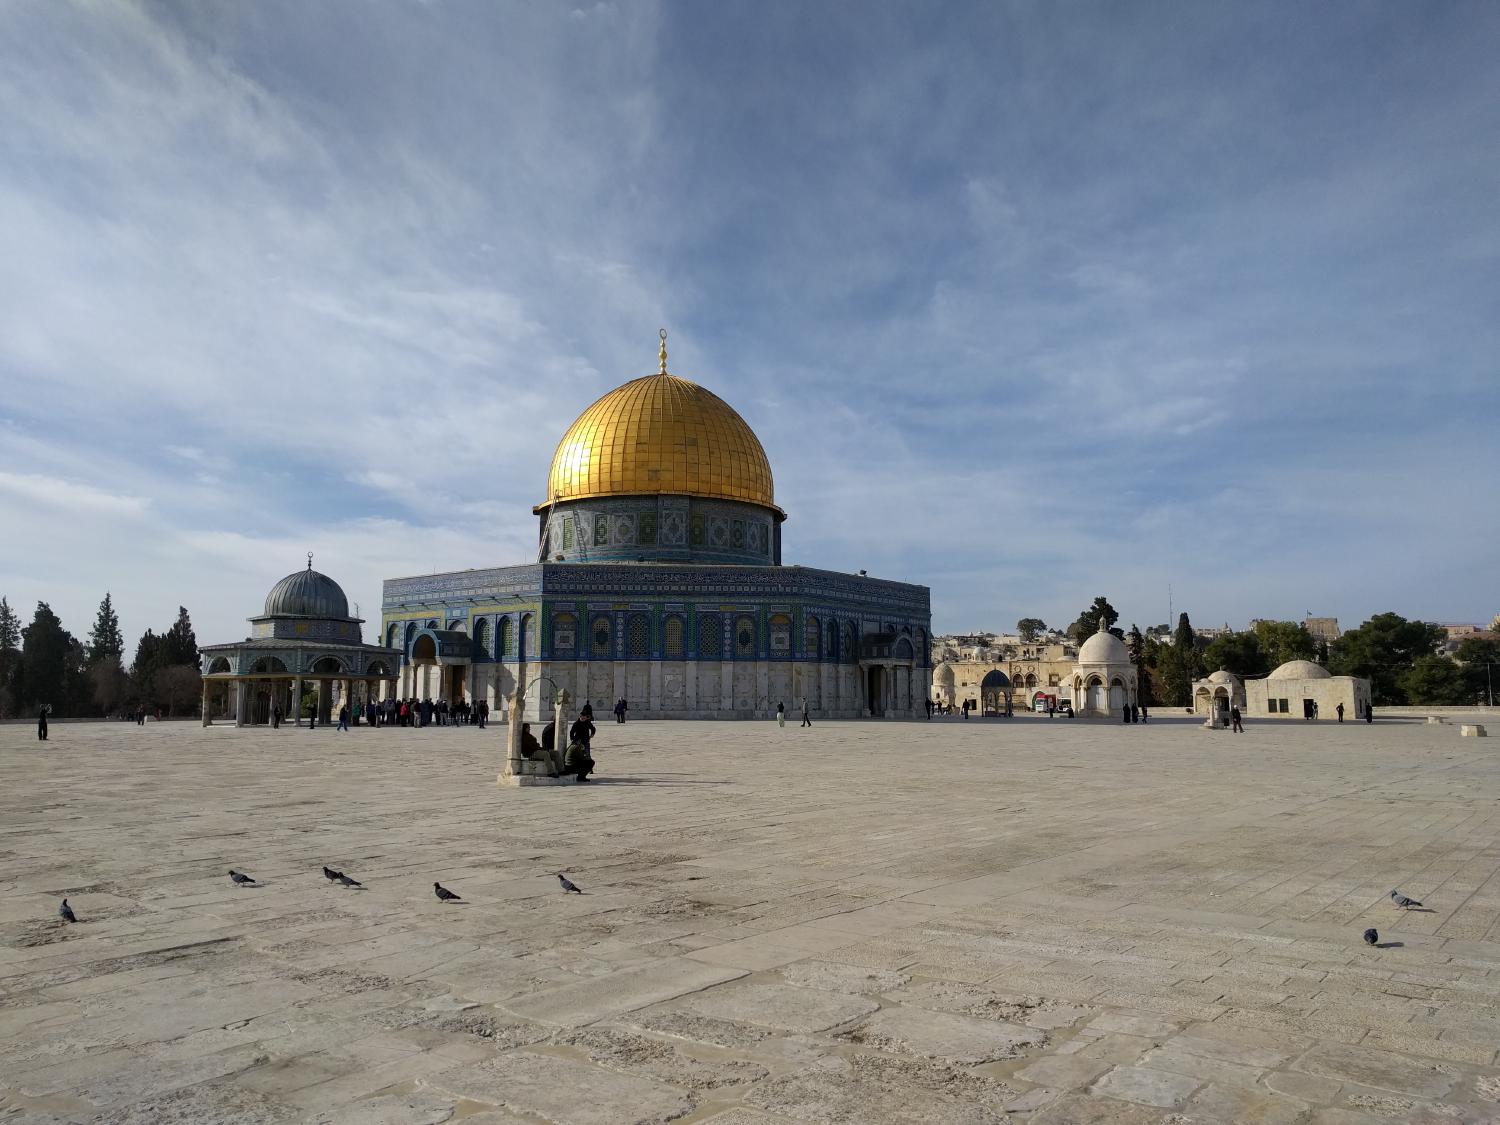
[305,640]
[1104,680]
[659,580]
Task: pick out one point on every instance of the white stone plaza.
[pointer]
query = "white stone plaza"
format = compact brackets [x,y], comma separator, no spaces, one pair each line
[945,921]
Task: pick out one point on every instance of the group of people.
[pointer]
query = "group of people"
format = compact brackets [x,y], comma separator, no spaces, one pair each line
[577,760]
[781,714]
[415,712]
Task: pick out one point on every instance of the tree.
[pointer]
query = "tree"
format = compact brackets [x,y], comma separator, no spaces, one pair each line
[108,684]
[1239,653]
[1030,628]
[10,657]
[148,661]
[179,686]
[1381,650]
[105,641]
[1480,658]
[179,645]
[42,676]
[1436,681]
[1281,641]
[1088,622]
[1180,665]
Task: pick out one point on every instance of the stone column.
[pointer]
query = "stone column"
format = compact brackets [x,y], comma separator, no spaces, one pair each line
[560,721]
[241,699]
[297,702]
[512,766]
[206,720]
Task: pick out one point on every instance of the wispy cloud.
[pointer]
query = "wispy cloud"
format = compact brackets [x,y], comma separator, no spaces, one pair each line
[1024,307]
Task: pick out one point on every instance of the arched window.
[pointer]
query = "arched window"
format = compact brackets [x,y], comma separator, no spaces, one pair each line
[781,635]
[672,638]
[411,635]
[924,654]
[564,634]
[528,637]
[812,637]
[710,639]
[391,633]
[599,637]
[638,637]
[456,625]
[744,637]
[507,639]
[834,648]
[851,643]
[482,636]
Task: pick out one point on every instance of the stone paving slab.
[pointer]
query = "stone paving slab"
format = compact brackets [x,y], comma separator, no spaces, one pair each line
[1101,923]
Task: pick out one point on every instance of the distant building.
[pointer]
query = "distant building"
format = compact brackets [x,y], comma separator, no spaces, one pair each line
[1028,670]
[1292,690]
[1325,629]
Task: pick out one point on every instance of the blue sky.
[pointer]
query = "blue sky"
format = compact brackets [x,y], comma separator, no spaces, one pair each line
[1028,302]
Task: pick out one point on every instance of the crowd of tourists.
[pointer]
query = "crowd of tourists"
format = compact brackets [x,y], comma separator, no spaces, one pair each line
[423,713]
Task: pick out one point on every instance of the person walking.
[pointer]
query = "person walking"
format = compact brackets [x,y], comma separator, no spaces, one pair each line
[929,708]
[1143,713]
[343,718]
[276,717]
[140,715]
[781,714]
[41,722]
[1339,711]
[1369,712]
[1234,718]
[806,717]
[620,708]
[484,712]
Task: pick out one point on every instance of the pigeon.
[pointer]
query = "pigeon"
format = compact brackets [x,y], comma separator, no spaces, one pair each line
[65,912]
[444,894]
[568,886]
[348,882]
[1372,935]
[241,879]
[331,875]
[1402,901]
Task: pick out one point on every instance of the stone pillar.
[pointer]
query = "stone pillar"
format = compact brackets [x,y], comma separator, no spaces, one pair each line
[560,721]
[241,699]
[206,720]
[513,737]
[690,685]
[297,702]
[725,687]
[654,701]
[325,700]
[763,701]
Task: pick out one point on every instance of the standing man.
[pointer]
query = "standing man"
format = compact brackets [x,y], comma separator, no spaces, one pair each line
[806,718]
[343,718]
[41,722]
[276,716]
[1339,711]
[1369,712]
[781,714]
[1234,718]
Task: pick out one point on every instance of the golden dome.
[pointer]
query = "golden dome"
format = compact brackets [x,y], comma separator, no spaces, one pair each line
[660,435]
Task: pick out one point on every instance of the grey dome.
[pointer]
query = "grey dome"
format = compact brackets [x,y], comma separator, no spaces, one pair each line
[307,594]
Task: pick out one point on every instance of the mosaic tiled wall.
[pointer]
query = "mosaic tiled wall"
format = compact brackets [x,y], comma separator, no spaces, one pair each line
[670,528]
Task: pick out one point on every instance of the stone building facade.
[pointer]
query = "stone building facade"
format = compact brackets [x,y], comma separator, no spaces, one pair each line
[1286,691]
[659,580]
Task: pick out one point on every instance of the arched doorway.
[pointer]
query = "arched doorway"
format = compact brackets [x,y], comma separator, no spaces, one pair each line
[1116,696]
[994,693]
[1095,697]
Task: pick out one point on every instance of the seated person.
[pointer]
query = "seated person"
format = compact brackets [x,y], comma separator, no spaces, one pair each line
[532,750]
[578,760]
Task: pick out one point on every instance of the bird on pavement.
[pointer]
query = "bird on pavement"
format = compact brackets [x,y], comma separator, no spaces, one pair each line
[444,894]
[1372,935]
[568,886]
[1402,901]
[348,882]
[241,879]
[331,875]
[65,912]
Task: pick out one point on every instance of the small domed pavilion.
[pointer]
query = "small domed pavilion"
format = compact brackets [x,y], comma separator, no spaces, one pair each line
[1104,679]
[1300,689]
[305,634]
[1216,693]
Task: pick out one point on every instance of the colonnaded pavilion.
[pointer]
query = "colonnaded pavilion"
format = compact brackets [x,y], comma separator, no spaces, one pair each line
[659,580]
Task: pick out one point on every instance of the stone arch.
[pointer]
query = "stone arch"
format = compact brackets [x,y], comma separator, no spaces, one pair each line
[268,665]
[219,665]
[903,649]
[458,625]
[411,636]
[391,633]
[424,649]
[377,668]
[329,666]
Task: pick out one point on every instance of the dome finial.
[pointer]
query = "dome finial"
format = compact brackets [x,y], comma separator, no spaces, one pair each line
[663,353]
[309,560]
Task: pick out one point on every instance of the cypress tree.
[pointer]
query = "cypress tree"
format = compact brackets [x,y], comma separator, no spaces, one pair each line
[43,674]
[179,645]
[105,641]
